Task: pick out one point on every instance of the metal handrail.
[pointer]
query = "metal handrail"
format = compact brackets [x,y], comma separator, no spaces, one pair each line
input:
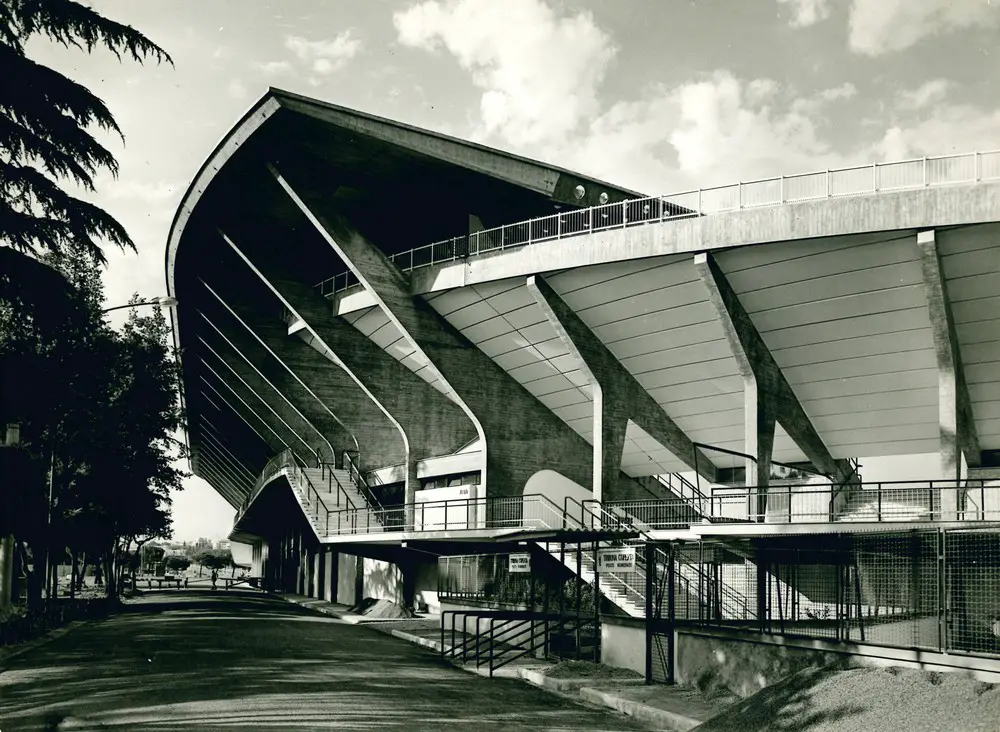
[512,515]
[361,483]
[331,478]
[915,173]
[298,471]
[274,466]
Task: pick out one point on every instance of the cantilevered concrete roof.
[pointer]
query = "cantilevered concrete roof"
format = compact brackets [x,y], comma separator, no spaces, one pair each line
[401,185]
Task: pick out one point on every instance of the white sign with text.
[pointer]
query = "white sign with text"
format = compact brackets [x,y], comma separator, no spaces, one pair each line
[519,563]
[618,559]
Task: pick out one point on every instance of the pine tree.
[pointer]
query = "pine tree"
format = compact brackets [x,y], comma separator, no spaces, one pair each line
[45,119]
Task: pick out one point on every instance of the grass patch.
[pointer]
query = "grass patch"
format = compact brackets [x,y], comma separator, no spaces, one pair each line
[589,670]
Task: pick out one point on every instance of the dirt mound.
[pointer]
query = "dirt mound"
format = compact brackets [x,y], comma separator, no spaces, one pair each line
[383,609]
[865,700]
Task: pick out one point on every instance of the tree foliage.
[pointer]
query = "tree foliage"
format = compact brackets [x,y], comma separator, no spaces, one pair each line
[46,123]
[214,558]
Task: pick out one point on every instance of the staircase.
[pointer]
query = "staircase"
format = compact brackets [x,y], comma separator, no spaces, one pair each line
[619,590]
[628,591]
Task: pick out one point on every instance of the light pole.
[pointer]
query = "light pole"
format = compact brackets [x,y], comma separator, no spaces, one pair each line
[162,300]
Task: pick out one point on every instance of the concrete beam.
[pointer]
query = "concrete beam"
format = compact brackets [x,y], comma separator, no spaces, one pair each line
[618,397]
[224,392]
[235,435]
[218,484]
[209,439]
[953,205]
[376,438]
[258,396]
[957,431]
[324,433]
[428,422]
[211,395]
[221,482]
[520,435]
[768,398]
[232,451]
[237,480]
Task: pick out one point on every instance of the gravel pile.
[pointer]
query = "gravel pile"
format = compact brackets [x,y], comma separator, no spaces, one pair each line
[384,609]
[866,700]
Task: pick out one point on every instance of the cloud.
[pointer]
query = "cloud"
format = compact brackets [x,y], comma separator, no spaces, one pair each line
[808,12]
[274,68]
[844,91]
[236,89]
[881,26]
[947,129]
[325,56]
[538,71]
[924,95]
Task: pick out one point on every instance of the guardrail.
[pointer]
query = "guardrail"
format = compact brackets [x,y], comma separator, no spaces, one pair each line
[840,182]
[533,511]
[275,465]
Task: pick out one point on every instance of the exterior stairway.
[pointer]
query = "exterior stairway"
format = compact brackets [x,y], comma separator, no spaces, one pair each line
[628,590]
[338,494]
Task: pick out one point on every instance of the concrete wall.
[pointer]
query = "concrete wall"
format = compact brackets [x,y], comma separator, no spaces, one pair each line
[624,645]
[557,487]
[426,586]
[742,667]
[347,569]
[383,580]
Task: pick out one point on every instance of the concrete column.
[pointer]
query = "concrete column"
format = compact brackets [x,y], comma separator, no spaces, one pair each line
[768,396]
[520,435]
[759,442]
[957,431]
[618,397]
[428,422]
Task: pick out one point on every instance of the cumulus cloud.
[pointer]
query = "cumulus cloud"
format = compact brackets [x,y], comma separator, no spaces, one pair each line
[807,12]
[948,129]
[924,95]
[883,26]
[275,68]
[325,56]
[538,70]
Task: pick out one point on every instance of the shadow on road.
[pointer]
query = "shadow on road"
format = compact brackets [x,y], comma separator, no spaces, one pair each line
[201,661]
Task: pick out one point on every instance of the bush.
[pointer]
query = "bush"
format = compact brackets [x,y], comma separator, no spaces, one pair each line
[18,624]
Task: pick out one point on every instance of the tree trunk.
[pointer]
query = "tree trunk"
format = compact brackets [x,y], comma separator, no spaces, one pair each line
[36,578]
[72,574]
[81,576]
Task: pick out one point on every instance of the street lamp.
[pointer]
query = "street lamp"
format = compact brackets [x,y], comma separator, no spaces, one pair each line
[162,300]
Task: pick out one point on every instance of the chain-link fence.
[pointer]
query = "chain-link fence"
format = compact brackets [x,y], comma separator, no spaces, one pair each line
[930,590]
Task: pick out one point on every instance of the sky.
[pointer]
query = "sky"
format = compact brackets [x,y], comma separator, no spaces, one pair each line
[658,96]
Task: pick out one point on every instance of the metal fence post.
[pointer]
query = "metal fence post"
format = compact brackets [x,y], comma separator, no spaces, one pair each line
[650,637]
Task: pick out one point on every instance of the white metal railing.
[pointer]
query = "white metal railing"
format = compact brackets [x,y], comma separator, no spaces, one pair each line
[854,181]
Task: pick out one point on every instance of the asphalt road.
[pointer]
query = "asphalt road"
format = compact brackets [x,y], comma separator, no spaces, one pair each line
[198,661]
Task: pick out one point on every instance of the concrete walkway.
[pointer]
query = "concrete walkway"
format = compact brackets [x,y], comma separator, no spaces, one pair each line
[661,707]
[241,661]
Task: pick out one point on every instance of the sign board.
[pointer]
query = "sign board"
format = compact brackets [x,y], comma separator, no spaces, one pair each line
[519,563]
[618,559]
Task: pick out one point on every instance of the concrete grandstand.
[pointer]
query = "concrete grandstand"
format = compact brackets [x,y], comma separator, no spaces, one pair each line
[405,354]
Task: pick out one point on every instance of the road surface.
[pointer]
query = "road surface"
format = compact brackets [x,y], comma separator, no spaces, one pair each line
[202,661]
